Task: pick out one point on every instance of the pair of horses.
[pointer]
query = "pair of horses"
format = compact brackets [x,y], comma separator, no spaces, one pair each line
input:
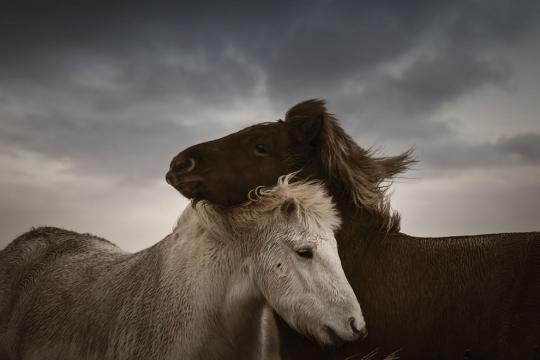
[447,298]
[432,298]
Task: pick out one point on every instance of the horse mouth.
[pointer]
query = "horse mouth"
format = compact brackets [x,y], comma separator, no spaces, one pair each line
[189,189]
[188,186]
[335,339]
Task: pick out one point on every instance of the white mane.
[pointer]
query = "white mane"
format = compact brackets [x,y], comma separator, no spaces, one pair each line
[315,207]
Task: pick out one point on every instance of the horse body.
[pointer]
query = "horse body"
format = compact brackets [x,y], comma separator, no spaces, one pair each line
[438,298]
[486,306]
[475,294]
[122,305]
[201,293]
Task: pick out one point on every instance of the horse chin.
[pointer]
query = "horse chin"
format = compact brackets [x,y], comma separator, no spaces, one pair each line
[196,192]
[316,333]
[329,337]
[190,190]
[323,335]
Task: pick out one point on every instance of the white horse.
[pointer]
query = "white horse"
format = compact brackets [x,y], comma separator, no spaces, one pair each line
[200,293]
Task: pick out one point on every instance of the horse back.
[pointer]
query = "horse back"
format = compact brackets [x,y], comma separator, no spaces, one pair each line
[521,328]
[480,295]
[448,297]
[31,261]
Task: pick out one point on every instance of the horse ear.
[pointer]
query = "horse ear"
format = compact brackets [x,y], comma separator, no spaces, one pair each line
[305,130]
[289,208]
[305,120]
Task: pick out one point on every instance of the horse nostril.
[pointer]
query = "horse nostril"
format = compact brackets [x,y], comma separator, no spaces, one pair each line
[353,325]
[169,178]
[363,332]
[185,166]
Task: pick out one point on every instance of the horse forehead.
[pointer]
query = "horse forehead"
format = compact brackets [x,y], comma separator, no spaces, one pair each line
[262,129]
[301,233]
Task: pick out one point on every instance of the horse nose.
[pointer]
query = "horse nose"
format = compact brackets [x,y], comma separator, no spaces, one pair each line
[169,178]
[179,166]
[182,167]
[362,332]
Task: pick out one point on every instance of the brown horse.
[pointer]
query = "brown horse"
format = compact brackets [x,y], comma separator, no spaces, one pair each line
[446,298]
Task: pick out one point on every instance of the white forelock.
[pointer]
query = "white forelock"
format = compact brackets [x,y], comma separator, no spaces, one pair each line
[315,206]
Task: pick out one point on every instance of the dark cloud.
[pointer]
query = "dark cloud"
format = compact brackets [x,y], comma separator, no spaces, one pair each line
[114,89]
[522,147]
[453,155]
[104,79]
[146,52]
[174,48]
[400,105]
[133,146]
[334,42]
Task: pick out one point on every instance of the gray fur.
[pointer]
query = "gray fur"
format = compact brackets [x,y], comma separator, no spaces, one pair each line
[203,292]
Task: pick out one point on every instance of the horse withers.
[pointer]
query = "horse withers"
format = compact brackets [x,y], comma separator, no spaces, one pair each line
[446,298]
[200,293]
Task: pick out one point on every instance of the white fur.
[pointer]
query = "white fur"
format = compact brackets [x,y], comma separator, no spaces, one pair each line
[204,292]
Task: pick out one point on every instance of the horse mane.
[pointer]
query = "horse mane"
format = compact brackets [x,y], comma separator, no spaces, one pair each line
[314,207]
[359,173]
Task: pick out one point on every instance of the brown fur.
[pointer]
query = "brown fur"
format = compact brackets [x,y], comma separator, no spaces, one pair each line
[427,297]
[362,176]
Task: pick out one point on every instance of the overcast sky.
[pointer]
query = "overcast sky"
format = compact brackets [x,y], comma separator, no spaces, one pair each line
[96,97]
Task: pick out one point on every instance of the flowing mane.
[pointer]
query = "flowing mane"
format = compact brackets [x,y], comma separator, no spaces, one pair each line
[314,206]
[361,175]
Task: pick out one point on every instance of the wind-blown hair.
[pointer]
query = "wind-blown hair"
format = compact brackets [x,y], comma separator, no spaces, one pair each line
[363,176]
[315,208]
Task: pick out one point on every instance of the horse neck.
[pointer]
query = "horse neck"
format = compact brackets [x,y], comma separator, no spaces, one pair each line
[359,229]
[358,219]
[359,226]
[214,272]
[242,313]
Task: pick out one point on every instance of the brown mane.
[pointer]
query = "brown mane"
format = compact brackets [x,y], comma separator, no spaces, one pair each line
[361,175]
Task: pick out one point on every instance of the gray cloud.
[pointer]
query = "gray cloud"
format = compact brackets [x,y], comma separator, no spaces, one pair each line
[147,52]
[115,89]
[401,105]
[134,146]
[314,46]
[461,156]
[525,147]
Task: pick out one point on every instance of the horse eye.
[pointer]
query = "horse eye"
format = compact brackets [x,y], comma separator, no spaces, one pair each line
[306,253]
[260,150]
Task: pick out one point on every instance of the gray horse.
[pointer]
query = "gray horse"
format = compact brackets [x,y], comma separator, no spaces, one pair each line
[200,293]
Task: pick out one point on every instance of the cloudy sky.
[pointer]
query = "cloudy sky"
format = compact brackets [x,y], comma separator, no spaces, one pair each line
[97,96]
